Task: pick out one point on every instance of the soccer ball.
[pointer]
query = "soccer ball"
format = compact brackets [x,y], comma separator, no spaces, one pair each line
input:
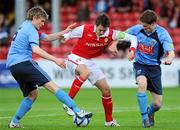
[81,122]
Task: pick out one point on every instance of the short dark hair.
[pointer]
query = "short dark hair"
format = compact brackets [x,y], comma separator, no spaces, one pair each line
[148,17]
[123,45]
[103,20]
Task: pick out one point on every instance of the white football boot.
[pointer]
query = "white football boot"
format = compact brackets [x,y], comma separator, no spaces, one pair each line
[68,110]
[14,125]
[83,113]
[112,123]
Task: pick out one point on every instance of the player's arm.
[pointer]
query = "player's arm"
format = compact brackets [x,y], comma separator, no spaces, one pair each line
[37,50]
[33,40]
[169,56]
[168,48]
[74,33]
[118,35]
[57,36]
[127,37]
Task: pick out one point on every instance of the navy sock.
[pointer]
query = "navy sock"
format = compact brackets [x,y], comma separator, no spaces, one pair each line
[142,102]
[23,109]
[152,109]
[64,98]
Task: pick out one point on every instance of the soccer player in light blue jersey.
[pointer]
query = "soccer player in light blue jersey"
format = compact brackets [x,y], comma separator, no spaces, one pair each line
[27,72]
[154,42]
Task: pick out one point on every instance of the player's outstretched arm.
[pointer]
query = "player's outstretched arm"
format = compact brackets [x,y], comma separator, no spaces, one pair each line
[37,50]
[127,37]
[169,57]
[57,36]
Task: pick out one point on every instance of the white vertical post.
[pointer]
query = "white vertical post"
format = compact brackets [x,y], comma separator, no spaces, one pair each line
[20,12]
[55,18]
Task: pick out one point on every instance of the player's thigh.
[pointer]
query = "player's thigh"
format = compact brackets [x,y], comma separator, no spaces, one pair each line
[29,75]
[154,80]
[96,73]
[157,99]
[140,74]
[82,70]
[76,64]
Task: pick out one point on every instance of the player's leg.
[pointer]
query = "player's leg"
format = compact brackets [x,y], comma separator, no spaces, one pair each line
[77,66]
[142,99]
[103,86]
[155,87]
[154,106]
[23,73]
[24,107]
[64,98]
[61,95]
[141,79]
[82,74]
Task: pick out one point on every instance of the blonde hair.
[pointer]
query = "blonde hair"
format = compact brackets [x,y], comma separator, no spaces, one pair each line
[36,12]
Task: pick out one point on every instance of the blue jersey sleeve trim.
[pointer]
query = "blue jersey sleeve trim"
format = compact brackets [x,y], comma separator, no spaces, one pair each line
[33,44]
[43,35]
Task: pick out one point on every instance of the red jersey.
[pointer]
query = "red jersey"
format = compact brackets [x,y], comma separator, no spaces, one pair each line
[89,45]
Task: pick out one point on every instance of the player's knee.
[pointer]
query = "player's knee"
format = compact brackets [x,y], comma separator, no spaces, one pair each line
[106,91]
[85,74]
[158,104]
[33,95]
[142,88]
[142,83]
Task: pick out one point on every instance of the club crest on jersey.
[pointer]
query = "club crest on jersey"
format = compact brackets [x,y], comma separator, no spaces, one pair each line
[78,60]
[89,35]
[139,71]
[152,42]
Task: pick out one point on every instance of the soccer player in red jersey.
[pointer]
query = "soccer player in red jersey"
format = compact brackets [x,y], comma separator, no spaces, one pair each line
[92,41]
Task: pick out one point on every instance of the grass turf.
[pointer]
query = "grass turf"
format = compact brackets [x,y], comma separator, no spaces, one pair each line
[47,112]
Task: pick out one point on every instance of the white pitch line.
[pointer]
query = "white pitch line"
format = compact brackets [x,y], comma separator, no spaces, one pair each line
[116,109]
[33,116]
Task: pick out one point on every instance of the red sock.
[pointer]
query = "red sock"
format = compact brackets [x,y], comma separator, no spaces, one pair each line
[107,104]
[76,86]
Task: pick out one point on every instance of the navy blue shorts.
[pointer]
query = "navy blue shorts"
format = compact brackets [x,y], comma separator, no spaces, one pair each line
[153,75]
[29,76]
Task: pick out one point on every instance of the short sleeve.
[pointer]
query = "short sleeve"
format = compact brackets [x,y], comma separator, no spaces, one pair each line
[33,37]
[167,42]
[75,33]
[118,35]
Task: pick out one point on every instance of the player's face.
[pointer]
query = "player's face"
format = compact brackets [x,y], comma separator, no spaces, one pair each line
[38,22]
[148,27]
[100,30]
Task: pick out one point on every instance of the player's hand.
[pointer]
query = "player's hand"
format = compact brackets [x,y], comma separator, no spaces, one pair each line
[167,61]
[115,52]
[131,54]
[113,49]
[61,63]
[70,27]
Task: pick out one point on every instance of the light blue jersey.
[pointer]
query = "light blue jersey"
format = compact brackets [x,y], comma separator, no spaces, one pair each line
[21,45]
[151,46]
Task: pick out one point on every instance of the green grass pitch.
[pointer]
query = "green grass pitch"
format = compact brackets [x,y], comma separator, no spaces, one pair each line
[47,112]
